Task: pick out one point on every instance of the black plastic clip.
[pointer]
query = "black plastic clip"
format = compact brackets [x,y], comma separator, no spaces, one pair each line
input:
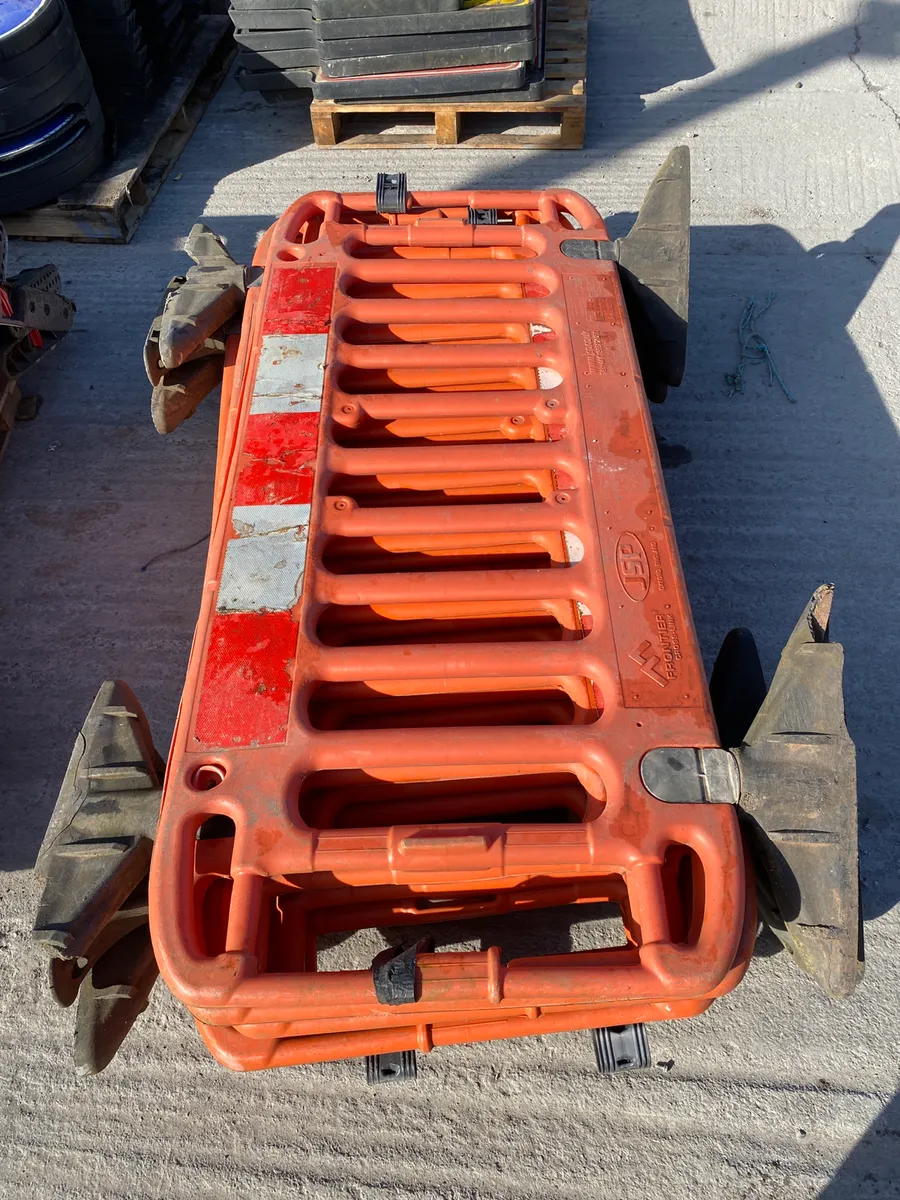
[394,1067]
[394,972]
[390,192]
[482,216]
[621,1048]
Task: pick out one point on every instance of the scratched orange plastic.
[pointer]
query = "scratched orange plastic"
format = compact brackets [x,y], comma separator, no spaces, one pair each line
[493,631]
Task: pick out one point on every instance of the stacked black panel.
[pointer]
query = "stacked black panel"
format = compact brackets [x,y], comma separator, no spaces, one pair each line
[385,49]
[132,46]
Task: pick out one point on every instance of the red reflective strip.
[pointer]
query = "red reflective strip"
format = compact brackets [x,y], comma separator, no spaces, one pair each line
[272,435]
[245,699]
[277,459]
[260,483]
[299,300]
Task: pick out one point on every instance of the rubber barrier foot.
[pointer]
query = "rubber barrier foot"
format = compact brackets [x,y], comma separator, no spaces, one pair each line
[35,318]
[92,918]
[654,269]
[621,1048]
[185,346]
[391,192]
[394,1067]
[799,806]
[112,997]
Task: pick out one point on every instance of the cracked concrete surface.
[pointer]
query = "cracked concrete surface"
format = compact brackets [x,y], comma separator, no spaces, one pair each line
[873,89]
[776,1092]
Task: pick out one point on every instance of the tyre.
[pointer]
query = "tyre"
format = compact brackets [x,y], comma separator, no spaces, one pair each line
[20,107]
[20,66]
[54,171]
[53,73]
[26,24]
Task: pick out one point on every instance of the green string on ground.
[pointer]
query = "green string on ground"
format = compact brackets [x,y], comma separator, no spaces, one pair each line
[755,350]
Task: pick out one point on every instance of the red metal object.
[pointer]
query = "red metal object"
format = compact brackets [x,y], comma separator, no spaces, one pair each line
[443,622]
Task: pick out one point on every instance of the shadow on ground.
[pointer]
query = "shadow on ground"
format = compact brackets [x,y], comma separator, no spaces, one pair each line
[870,1171]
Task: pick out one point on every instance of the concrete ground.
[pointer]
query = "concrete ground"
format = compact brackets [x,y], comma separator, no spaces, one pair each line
[792,113]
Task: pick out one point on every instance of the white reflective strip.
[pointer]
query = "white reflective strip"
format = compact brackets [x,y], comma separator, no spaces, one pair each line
[290,376]
[268,518]
[574,547]
[263,572]
[548,378]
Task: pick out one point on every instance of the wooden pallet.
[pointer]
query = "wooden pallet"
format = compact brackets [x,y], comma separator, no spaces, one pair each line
[109,206]
[565,74]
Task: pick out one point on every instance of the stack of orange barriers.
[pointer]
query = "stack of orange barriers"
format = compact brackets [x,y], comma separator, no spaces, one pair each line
[443,623]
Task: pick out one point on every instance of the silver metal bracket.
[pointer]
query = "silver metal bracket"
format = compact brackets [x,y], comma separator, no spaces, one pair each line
[692,775]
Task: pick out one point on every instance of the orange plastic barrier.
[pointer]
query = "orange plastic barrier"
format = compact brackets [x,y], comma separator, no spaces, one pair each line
[443,622]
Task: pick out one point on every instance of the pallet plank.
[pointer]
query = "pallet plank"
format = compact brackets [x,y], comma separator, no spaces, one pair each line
[326,127]
[446,126]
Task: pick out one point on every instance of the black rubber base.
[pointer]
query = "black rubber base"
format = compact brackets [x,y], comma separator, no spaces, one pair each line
[383,56]
[532,89]
[360,46]
[520,15]
[325,10]
[278,60]
[258,19]
[621,1048]
[290,79]
[354,10]
[459,81]
[275,40]
[395,1067]
[247,9]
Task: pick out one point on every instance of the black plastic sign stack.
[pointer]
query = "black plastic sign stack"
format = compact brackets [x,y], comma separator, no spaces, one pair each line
[374,49]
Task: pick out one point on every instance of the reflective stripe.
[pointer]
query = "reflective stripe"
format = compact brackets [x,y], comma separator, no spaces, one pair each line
[268,518]
[291,373]
[263,572]
[252,638]
[246,696]
[278,458]
[264,561]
